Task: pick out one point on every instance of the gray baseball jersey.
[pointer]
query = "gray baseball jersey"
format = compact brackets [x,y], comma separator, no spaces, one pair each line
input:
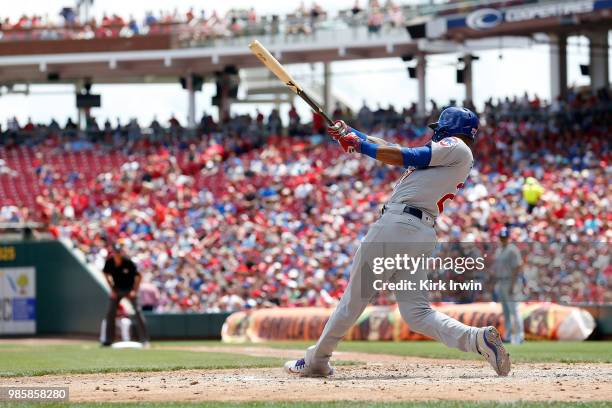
[428,188]
[506,260]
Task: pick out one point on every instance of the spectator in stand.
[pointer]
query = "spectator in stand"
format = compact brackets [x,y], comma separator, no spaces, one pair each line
[375,21]
[395,15]
[315,14]
[356,9]
[190,15]
[252,16]
[69,16]
[150,19]
[275,124]
[337,113]
[532,191]
[133,25]
[149,296]
[294,121]
[365,116]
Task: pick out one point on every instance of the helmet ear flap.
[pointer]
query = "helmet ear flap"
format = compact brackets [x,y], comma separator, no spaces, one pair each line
[439,134]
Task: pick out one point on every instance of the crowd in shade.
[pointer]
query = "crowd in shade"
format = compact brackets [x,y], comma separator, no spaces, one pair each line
[205,24]
[237,216]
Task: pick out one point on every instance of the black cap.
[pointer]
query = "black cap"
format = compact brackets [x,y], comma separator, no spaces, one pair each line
[504,233]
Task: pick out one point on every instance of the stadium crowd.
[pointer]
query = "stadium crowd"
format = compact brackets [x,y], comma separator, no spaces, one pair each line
[201,24]
[198,27]
[236,216]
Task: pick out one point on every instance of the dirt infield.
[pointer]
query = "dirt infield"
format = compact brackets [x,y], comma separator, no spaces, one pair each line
[374,378]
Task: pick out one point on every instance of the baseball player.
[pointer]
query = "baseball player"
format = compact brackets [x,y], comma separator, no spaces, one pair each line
[507,268]
[433,175]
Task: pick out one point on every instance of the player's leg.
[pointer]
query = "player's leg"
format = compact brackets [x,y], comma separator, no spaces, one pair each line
[518,332]
[504,299]
[347,312]
[520,324]
[125,325]
[141,326]
[351,306]
[421,318]
[103,331]
[416,311]
[111,315]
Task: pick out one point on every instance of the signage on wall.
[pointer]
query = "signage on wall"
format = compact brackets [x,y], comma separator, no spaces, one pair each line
[17,301]
[486,18]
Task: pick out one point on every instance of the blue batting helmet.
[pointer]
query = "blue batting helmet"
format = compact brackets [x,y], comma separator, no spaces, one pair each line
[455,121]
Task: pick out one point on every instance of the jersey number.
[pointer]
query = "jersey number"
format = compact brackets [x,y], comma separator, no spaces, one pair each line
[445,197]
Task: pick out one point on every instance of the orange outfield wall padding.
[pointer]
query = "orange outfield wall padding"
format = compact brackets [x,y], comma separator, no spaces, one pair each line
[546,321]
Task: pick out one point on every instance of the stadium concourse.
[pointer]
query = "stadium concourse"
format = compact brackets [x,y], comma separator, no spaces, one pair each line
[239,216]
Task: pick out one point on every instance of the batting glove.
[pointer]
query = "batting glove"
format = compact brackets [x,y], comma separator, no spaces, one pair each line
[338,130]
[350,143]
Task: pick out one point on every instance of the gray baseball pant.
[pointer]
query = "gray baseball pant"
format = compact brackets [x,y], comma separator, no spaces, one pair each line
[514,330]
[394,233]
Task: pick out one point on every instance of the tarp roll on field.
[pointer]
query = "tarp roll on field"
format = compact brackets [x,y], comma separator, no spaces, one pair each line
[547,321]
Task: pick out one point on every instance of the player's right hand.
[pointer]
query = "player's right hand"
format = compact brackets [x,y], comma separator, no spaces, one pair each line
[339,129]
[350,143]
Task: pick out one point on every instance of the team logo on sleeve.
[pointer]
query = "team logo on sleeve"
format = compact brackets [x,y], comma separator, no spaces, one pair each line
[448,141]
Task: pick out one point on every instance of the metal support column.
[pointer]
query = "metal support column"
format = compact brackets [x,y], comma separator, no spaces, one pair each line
[81,115]
[467,78]
[421,78]
[191,121]
[558,65]
[599,67]
[327,87]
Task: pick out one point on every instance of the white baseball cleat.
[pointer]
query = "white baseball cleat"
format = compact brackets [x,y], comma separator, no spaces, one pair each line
[490,346]
[301,368]
[304,368]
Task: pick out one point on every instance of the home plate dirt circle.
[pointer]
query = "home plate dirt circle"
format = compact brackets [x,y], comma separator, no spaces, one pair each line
[374,378]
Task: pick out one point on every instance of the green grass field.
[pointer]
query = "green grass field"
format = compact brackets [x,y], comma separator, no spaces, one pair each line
[87,357]
[18,359]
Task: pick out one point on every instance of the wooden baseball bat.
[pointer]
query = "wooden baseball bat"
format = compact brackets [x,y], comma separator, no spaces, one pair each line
[281,73]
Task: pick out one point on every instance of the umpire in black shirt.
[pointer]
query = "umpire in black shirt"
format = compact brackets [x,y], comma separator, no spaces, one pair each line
[124,280]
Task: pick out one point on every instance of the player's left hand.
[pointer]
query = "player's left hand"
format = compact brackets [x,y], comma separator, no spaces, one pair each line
[350,143]
[132,294]
[339,129]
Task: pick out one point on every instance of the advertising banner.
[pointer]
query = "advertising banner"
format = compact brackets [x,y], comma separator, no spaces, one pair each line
[542,320]
[17,301]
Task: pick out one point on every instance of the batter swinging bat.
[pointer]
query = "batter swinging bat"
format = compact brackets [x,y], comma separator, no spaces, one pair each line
[277,69]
